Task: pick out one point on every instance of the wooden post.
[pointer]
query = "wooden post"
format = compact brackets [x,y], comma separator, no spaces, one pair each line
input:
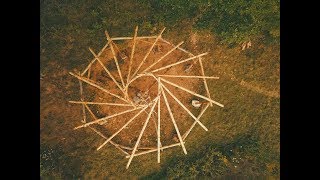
[193,93]
[179,62]
[141,133]
[132,53]
[184,136]
[115,57]
[184,107]
[105,118]
[105,69]
[173,121]
[181,76]
[124,126]
[162,57]
[97,86]
[145,57]
[204,80]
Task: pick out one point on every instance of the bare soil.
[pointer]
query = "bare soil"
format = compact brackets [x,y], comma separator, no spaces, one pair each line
[140,86]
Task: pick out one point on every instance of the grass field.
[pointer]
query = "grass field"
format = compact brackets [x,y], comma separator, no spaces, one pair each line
[243,137]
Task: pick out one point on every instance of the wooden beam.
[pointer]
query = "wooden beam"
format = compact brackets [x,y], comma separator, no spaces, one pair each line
[158,133]
[173,121]
[107,71]
[181,49]
[162,57]
[128,38]
[184,136]
[120,147]
[97,86]
[150,49]
[179,62]
[114,57]
[132,54]
[99,103]
[83,107]
[107,117]
[91,62]
[124,126]
[184,107]
[181,76]
[141,133]
[205,81]
[193,93]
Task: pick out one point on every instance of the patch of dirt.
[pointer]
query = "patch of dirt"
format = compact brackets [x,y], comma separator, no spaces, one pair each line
[143,89]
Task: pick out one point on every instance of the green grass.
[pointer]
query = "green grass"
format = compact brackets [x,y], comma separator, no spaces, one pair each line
[248,127]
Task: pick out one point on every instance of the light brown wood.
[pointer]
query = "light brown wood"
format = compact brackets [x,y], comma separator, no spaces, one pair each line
[179,62]
[124,126]
[204,80]
[159,112]
[180,48]
[147,54]
[100,134]
[180,76]
[92,61]
[107,71]
[132,54]
[128,38]
[97,86]
[184,107]
[141,133]
[115,57]
[99,103]
[107,117]
[173,120]
[185,135]
[193,93]
[81,98]
[174,48]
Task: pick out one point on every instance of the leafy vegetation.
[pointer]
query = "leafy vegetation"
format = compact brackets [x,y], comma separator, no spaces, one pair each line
[234,21]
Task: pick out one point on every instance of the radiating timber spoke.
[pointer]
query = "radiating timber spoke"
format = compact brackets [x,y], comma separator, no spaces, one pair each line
[145,57]
[107,71]
[115,57]
[100,103]
[97,86]
[193,93]
[173,121]
[124,126]
[107,117]
[132,54]
[141,133]
[181,76]
[204,80]
[89,65]
[185,135]
[158,133]
[184,107]
[162,57]
[179,62]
